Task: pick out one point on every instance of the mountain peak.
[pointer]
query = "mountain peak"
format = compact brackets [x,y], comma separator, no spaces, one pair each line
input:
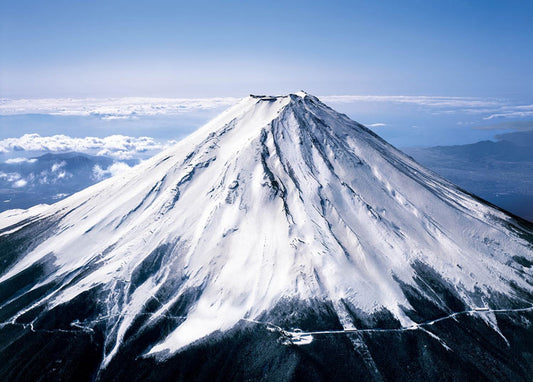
[299,94]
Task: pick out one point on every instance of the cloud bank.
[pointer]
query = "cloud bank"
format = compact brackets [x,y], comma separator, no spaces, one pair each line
[116,146]
[493,108]
[112,108]
[131,107]
[430,101]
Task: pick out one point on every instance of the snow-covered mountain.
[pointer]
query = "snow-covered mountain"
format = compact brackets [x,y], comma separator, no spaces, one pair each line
[282,240]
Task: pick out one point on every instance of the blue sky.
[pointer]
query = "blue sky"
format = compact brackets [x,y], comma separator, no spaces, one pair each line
[231,48]
[479,52]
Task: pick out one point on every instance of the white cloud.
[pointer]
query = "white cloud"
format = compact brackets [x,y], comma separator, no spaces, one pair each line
[63,174]
[112,108]
[377,125]
[20,160]
[116,168]
[432,101]
[19,183]
[492,107]
[14,178]
[520,111]
[58,165]
[61,195]
[10,177]
[117,146]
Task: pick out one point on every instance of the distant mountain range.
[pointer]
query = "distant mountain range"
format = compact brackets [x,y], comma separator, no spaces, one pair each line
[500,172]
[25,182]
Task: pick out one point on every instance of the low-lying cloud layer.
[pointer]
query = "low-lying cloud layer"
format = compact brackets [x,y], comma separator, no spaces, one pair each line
[430,101]
[111,108]
[492,108]
[116,146]
[132,107]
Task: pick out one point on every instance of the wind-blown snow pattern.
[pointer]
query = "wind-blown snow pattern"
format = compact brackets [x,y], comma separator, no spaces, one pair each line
[277,198]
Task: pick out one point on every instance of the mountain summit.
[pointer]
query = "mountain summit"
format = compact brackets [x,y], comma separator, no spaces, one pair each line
[281,241]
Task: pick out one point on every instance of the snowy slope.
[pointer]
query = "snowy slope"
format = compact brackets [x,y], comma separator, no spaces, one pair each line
[278,197]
